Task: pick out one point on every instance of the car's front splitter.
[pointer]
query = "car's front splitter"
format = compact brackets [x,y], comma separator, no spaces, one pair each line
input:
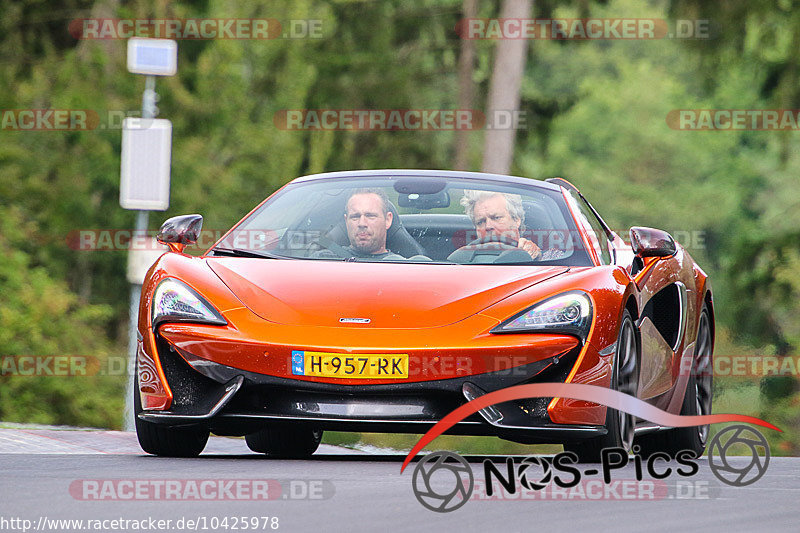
[237,402]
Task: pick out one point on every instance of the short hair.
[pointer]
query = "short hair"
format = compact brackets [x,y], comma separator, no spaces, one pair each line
[378,192]
[513,203]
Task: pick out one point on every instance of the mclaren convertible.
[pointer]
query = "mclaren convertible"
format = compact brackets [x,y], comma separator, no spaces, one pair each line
[380,301]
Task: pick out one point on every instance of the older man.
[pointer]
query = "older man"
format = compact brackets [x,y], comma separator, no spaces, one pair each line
[498,214]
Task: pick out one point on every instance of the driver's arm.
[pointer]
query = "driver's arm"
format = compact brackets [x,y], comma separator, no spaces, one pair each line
[529,246]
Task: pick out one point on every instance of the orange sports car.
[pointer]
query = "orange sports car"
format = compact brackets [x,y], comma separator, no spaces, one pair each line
[381,300]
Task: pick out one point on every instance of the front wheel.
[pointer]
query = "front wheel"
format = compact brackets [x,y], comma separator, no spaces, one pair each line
[624,378]
[157,439]
[696,401]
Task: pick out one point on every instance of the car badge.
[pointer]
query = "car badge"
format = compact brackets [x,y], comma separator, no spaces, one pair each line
[354,320]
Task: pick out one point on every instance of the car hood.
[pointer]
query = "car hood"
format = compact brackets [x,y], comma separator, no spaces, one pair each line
[390,295]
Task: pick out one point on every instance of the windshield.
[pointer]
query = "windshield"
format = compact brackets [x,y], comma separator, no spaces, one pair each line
[411,220]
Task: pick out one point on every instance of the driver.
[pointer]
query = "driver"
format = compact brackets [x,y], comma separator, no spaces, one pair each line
[498,215]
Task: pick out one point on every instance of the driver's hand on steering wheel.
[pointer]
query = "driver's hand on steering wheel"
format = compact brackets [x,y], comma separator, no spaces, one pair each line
[529,246]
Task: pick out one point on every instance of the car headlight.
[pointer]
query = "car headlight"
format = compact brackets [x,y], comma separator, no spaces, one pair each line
[570,313]
[174,301]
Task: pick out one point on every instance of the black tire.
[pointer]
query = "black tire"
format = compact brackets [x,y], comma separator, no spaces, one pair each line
[624,378]
[285,441]
[696,401]
[166,441]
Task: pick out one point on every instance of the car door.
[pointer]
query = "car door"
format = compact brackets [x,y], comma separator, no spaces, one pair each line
[662,321]
[662,300]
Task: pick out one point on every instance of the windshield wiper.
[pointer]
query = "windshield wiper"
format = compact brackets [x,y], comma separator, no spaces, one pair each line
[235,252]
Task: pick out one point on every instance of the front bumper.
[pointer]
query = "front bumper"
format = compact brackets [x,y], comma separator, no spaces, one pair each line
[233,401]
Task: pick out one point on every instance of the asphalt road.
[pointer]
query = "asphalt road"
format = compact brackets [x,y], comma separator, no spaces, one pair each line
[48,475]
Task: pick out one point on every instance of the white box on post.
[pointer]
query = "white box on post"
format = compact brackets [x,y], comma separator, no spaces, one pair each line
[145,169]
[152,57]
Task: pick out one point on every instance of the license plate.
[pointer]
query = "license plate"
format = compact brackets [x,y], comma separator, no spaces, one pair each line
[336,365]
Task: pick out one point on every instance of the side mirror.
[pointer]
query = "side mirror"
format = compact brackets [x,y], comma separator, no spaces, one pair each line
[177,232]
[650,242]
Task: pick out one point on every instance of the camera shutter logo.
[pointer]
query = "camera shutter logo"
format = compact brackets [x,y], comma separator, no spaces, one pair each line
[525,470]
[443,481]
[720,446]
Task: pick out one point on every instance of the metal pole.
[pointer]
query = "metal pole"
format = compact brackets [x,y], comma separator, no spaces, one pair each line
[133,320]
[149,110]
[149,97]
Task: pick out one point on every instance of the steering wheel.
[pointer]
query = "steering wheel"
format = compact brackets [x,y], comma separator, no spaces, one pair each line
[502,241]
[327,244]
[490,248]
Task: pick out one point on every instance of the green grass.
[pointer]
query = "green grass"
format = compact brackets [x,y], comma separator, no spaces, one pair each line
[457,443]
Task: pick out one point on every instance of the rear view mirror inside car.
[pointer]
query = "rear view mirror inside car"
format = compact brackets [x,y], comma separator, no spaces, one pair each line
[424,201]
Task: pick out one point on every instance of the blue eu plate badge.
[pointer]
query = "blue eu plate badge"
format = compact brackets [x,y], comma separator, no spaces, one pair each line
[298,363]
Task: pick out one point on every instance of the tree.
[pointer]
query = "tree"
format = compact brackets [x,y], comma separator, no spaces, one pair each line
[504,90]
[466,87]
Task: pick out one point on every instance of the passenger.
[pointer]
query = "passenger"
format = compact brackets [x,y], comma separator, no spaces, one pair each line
[367,219]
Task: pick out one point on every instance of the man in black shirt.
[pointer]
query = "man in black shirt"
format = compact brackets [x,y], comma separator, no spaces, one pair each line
[367,219]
